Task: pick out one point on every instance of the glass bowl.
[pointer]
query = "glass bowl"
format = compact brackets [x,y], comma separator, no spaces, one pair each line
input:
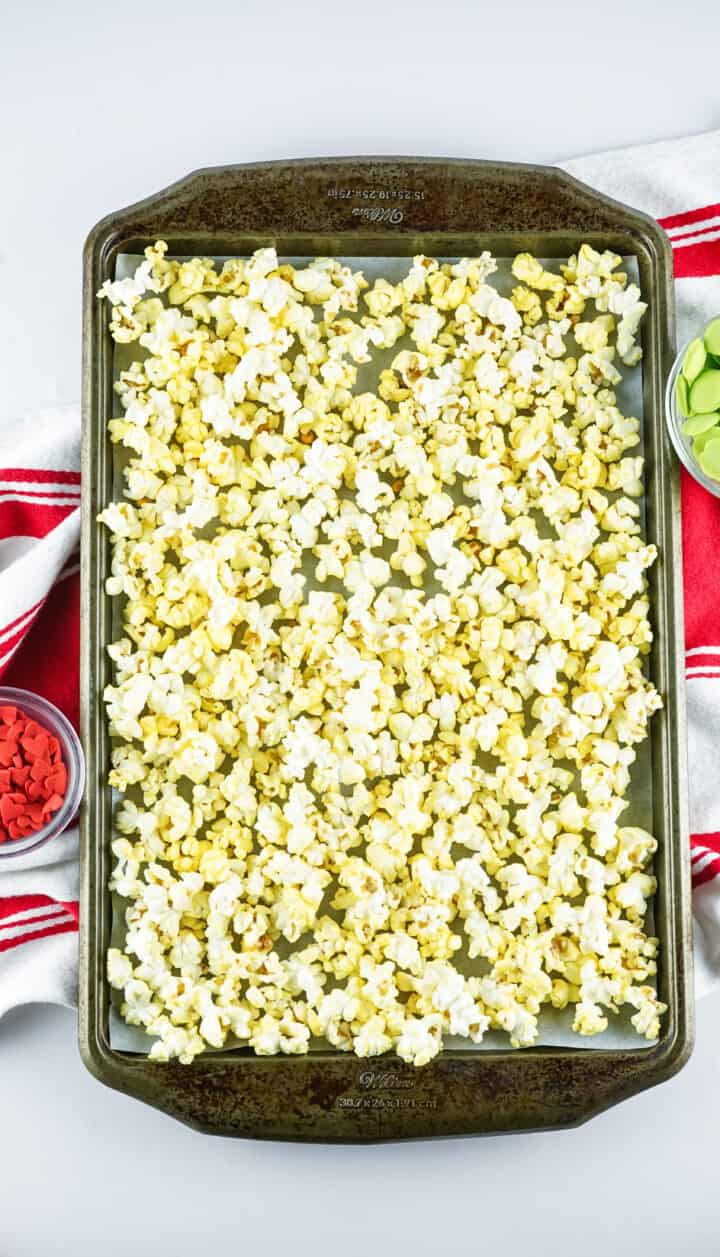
[47,714]
[682,443]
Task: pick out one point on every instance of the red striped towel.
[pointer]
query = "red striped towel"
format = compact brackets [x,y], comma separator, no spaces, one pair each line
[39,632]
[678,182]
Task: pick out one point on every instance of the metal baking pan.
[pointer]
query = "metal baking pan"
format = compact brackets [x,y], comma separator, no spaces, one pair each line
[388,207]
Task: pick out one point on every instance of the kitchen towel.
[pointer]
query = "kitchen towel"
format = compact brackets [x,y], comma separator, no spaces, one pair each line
[676,181]
[39,650]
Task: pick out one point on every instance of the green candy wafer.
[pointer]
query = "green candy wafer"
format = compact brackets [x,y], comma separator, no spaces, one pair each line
[712,338]
[705,393]
[702,440]
[709,458]
[694,360]
[681,393]
[700,423]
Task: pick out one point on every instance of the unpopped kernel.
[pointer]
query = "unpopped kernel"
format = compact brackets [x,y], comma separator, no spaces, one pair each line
[380,684]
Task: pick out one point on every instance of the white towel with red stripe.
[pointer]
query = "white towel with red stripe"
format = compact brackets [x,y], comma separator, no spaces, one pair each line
[679,183]
[39,638]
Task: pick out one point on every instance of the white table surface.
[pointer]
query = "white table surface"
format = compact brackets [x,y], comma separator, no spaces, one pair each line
[99,106]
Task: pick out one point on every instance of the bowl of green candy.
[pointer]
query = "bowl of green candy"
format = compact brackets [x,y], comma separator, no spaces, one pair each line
[693,406]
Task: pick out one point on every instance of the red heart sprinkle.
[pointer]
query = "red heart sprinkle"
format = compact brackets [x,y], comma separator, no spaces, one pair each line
[35,747]
[57,779]
[52,804]
[11,807]
[8,750]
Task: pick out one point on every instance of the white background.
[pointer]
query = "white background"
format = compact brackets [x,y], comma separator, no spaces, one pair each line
[99,107]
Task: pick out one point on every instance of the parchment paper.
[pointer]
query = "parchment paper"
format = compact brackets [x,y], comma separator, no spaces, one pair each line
[554,1026]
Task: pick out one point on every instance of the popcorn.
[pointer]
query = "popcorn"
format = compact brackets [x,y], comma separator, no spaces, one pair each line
[380,680]
[420,1040]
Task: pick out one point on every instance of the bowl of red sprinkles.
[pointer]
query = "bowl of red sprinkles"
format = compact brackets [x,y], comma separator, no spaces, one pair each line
[42,772]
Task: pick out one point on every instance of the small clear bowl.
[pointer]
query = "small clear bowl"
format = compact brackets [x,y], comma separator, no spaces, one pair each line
[47,714]
[675,419]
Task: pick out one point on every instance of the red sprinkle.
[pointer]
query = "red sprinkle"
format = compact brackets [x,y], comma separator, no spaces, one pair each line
[56,780]
[33,777]
[8,750]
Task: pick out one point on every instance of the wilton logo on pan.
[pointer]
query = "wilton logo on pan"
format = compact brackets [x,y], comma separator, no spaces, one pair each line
[384,1080]
[378,215]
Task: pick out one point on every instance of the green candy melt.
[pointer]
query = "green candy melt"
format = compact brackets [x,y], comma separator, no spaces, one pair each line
[705,393]
[694,360]
[681,392]
[702,440]
[709,458]
[700,423]
[712,338]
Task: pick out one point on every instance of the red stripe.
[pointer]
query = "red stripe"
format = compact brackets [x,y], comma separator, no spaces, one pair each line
[708,874]
[39,476]
[49,918]
[65,927]
[679,241]
[701,545]
[15,638]
[689,216]
[697,261]
[13,492]
[710,841]
[31,519]
[23,903]
[12,905]
[52,673]
[9,625]
[703,676]
[701,845]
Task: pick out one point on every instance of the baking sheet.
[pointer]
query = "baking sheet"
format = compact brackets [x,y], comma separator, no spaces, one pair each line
[554,1026]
